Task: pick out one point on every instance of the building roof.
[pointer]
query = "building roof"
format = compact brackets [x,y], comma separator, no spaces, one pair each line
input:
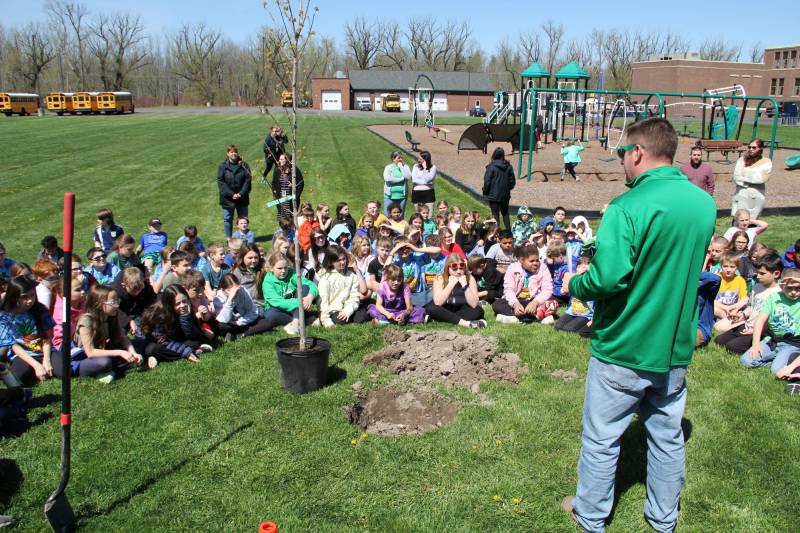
[401,80]
[535,70]
[572,71]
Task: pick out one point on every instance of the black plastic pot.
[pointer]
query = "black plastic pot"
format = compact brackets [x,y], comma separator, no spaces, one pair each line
[303,370]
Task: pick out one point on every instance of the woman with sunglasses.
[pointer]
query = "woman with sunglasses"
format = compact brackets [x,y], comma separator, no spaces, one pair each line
[750,175]
[101,270]
[455,296]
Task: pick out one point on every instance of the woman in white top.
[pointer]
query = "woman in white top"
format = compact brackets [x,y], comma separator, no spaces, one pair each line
[422,176]
[750,176]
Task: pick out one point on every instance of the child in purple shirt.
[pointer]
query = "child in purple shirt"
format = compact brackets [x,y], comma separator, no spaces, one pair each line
[393,300]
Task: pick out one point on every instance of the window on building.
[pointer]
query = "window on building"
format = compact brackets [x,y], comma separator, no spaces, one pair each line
[794,58]
[785,59]
[773,86]
[780,87]
[796,87]
[777,61]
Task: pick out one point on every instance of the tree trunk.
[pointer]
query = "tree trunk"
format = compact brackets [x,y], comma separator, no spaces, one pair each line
[301,311]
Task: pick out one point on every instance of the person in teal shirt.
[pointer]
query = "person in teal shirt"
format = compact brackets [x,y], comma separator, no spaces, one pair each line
[643,280]
[572,156]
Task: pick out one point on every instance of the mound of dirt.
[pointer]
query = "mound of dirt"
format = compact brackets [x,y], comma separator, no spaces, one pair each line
[445,357]
[391,412]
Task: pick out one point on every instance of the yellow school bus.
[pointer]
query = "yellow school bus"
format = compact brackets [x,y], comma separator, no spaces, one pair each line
[391,102]
[115,102]
[59,103]
[84,102]
[20,103]
[286,99]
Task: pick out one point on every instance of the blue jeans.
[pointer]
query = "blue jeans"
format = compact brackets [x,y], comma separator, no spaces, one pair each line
[613,395]
[227,217]
[401,202]
[779,356]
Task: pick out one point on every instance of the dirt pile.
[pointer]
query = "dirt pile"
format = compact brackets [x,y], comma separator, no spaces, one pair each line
[445,357]
[391,412]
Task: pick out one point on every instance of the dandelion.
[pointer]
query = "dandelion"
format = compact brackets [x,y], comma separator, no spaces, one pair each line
[354,441]
[364,435]
[516,501]
[497,498]
[498,442]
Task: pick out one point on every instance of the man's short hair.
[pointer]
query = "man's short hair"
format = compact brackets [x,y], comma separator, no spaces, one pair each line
[656,135]
[697,149]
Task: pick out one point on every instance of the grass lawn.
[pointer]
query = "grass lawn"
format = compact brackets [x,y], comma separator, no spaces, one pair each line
[219,446]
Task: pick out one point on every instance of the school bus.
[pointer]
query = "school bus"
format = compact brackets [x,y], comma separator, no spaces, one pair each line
[115,102]
[60,103]
[391,102]
[84,102]
[286,99]
[20,103]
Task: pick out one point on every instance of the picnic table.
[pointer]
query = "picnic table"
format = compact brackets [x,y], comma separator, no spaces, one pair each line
[437,130]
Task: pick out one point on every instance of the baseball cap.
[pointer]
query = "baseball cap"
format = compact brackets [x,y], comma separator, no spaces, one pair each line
[154,222]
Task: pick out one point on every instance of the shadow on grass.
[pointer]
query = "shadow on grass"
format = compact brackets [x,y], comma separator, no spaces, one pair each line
[43,400]
[12,478]
[264,238]
[632,464]
[335,375]
[85,516]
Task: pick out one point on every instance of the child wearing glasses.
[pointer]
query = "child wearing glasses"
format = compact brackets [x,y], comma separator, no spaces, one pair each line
[455,296]
[781,315]
[393,300]
[100,347]
[99,268]
[742,221]
[527,290]
[25,330]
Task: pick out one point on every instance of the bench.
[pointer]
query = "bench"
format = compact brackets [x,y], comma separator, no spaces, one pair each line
[720,145]
[414,144]
[444,131]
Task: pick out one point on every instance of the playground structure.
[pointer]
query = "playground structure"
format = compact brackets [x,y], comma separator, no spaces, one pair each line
[416,96]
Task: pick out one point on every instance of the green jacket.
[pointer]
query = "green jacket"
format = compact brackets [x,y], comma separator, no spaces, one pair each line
[650,250]
[282,294]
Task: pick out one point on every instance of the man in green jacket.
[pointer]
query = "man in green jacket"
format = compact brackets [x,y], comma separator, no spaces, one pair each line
[643,278]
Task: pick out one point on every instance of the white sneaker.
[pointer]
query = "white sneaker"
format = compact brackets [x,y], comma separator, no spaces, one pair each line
[106,378]
[204,348]
[292,328]
[547,320]
[316,322]
[507,319]
[152,362]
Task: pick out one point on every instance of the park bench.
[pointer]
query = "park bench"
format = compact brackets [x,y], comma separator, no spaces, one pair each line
[414,143]
[720,145]
[444,131]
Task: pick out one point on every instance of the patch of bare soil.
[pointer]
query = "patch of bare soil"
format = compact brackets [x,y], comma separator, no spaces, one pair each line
[565,375]
[390,412]
[445,357]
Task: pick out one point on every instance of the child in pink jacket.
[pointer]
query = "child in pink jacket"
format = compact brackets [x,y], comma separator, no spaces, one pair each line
[527,290]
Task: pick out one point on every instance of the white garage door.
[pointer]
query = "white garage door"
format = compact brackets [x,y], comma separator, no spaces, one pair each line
[331,100]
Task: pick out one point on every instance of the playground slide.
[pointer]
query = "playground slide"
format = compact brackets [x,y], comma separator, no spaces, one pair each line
[478,136]
[793,162]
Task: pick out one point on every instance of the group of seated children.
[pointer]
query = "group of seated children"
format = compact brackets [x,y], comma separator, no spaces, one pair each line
[756,298]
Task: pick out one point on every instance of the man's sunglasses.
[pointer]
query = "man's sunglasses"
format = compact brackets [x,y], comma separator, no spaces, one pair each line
[626,148]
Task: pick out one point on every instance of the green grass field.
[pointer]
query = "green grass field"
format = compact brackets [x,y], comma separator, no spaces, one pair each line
[219,446]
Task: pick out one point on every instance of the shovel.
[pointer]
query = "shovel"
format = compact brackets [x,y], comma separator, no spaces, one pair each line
[57,509]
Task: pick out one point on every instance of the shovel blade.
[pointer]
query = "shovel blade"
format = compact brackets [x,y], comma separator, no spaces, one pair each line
[60,515]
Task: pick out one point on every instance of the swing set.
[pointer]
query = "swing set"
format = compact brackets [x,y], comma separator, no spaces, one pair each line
[418,95]
[610,112]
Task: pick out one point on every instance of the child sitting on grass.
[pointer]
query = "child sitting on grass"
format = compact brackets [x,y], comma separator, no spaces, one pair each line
[214,269]
[123,253]
[340,291]
[527,290]
[396,218]
[731,300]
[715,250]
[25,330]
[195,285]
[393,300]
[428,224]
[179,263]
[768,272]
[249,269]
[487,277]
[578,316]
[307,226]
[243,231]
[524,226]
[161,268]
[343,217]
[382,259]
[503,251]
[781,314]
[171,329]
[742,222]
[455,296]
[107,231]
[323,217]
[280,294]
[190,234]
[236,313]
[151,243]
[99,268]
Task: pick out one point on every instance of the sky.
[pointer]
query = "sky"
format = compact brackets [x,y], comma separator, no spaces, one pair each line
[240,19]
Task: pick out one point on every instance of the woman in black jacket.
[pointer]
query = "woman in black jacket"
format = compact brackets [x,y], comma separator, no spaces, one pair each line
[282,185]
[498,180]
[234,182]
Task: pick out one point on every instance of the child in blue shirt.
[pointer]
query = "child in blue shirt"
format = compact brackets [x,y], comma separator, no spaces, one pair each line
[431,265]
[5,263]
[573,244]
[190,234]
[107,232]
[558,266]
[579,314]
[151,243]
[243,231]
[101,270]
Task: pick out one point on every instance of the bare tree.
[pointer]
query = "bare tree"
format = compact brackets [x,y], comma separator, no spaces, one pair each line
[555,35]
[76,14]
[718,49]
[392,52]
[363,39]
[60,30]
[618,50]
[757,53]
[118,48]
[35,53]
[197,58]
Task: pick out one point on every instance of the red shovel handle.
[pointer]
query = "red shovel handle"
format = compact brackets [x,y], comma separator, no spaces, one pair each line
[69,220]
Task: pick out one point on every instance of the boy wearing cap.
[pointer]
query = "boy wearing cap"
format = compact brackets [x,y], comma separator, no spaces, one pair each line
[781,314]
[524,226]
[151,243]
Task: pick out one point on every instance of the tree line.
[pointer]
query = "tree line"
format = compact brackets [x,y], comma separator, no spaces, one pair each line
[72,49]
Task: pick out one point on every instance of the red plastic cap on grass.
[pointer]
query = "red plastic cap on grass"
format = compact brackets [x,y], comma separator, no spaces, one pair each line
[268,527]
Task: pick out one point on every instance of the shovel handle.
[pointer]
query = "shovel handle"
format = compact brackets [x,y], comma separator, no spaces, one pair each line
[69,220]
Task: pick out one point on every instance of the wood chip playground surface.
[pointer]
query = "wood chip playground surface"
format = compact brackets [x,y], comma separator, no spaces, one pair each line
[602,178]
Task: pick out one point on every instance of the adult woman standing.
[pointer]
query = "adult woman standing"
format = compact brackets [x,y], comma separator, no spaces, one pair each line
[750,175]
[395,175]
[422,176]
[498,180]
[282,185]
[234,181]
